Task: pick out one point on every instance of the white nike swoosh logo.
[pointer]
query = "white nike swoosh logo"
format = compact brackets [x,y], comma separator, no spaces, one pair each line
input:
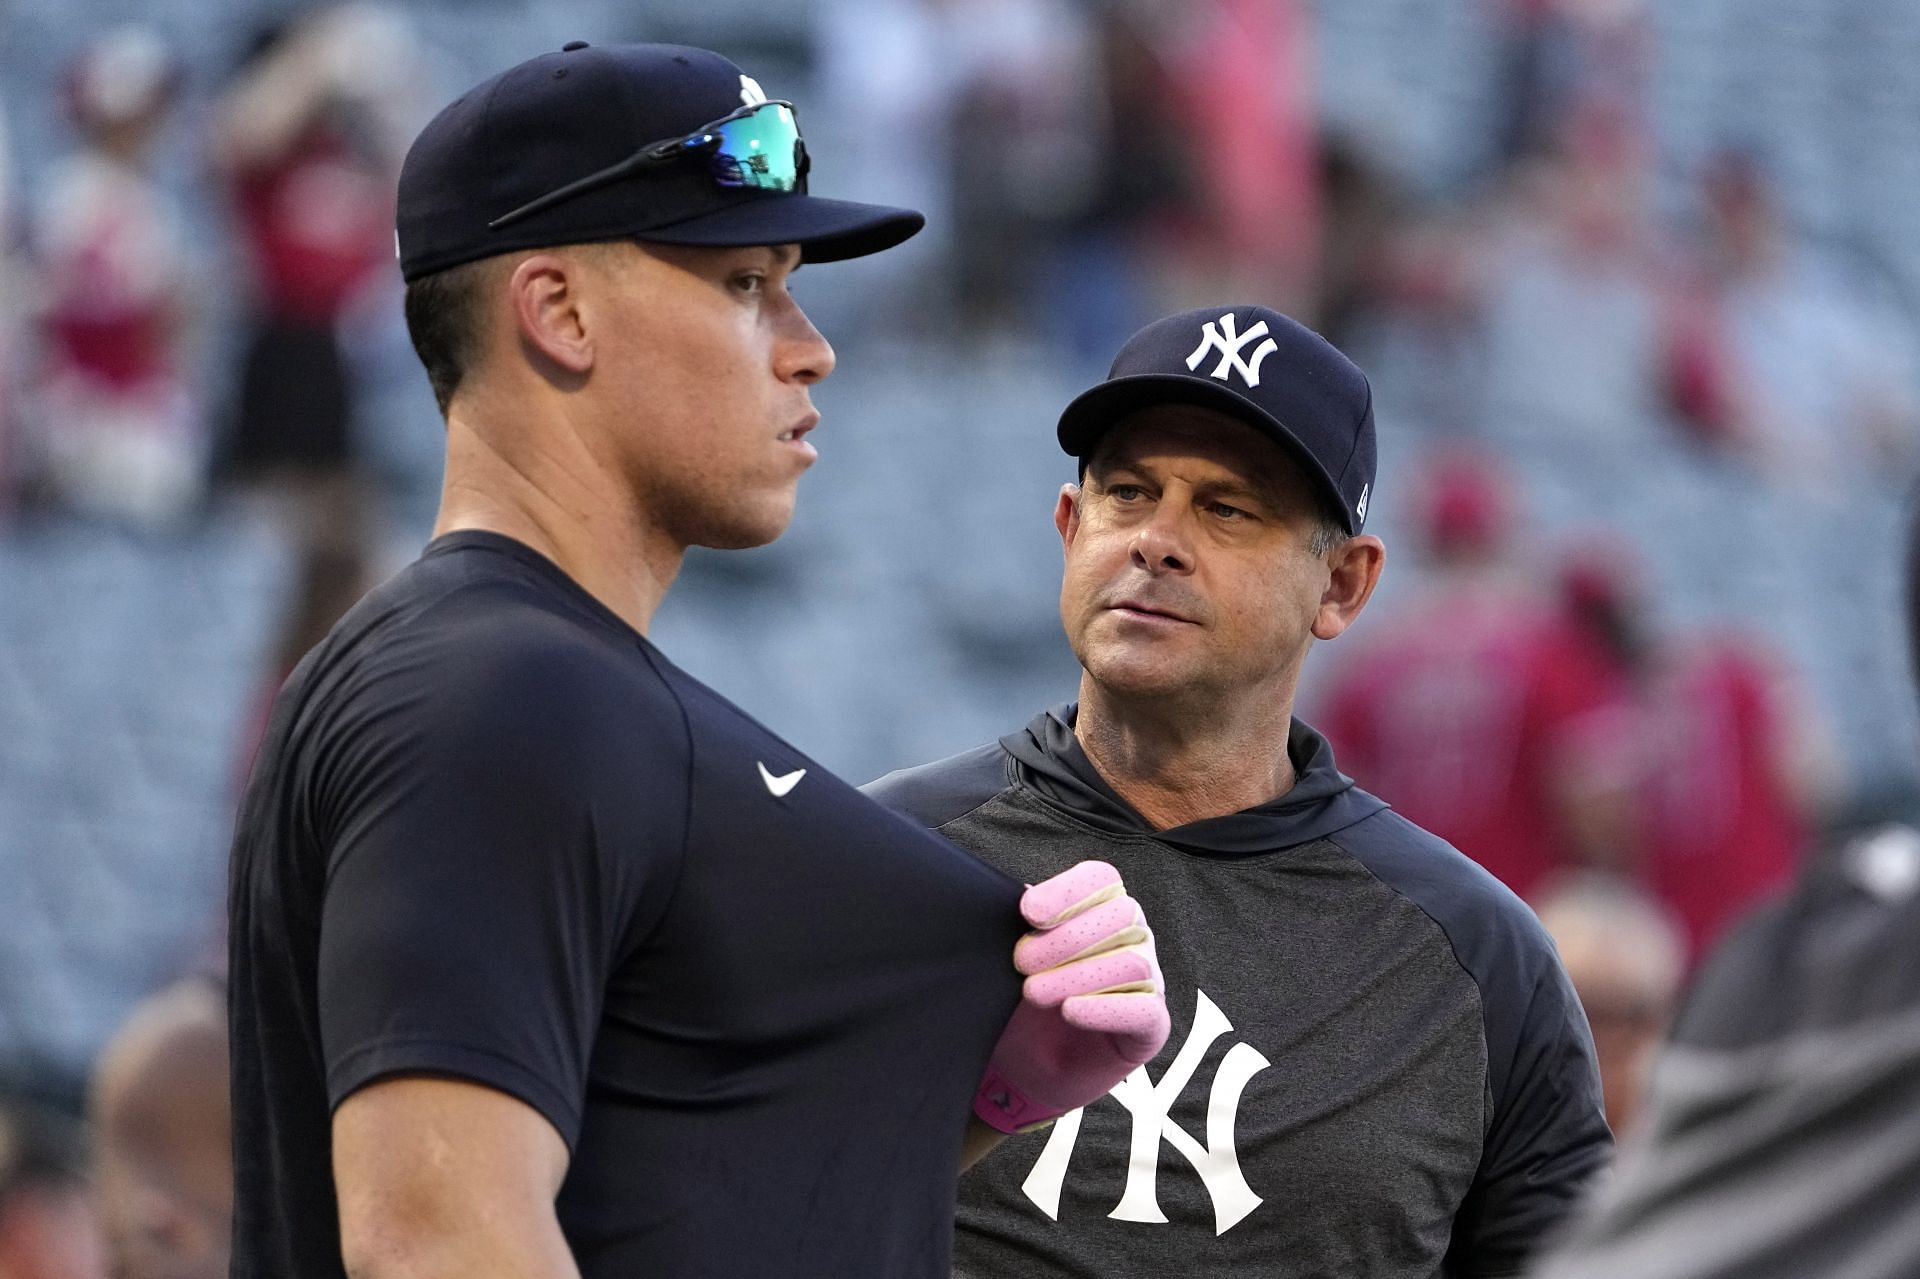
[779,786]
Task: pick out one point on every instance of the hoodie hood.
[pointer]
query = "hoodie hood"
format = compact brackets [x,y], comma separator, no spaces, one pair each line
[1322,801]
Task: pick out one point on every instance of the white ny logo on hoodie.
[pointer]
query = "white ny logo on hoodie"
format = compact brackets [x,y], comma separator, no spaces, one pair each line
[1217,1162]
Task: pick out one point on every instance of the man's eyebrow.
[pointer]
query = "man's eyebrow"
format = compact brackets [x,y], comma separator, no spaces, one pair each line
[1107,462]
[786,255]
[1265,493]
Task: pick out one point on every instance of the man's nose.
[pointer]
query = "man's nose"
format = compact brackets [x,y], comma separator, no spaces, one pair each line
[1159,548]
[805,356]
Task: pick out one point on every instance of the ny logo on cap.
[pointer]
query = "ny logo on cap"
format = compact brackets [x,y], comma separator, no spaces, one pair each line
[751,94]
[1229,343]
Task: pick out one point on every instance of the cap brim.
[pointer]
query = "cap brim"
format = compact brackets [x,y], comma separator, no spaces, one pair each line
[825,230]
[1095,411]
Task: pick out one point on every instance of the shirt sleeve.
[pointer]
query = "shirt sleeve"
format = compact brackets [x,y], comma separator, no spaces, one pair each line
[495,835]
[1548,1137]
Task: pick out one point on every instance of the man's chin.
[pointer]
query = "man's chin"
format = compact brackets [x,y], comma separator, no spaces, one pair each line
[747,529]
[1136,675]
[740,539]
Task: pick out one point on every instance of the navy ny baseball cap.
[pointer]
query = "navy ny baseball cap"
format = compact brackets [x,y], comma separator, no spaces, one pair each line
[653,142]
[1256,365]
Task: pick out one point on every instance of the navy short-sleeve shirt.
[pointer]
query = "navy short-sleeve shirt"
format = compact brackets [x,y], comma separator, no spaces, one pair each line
[494,834]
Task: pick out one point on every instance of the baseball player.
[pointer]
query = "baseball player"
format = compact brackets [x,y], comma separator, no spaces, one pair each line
[1378,1067]
[546,959]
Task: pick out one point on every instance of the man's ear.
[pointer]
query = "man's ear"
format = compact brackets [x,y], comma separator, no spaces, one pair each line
[545,291]
[1066,515]
[1353,571]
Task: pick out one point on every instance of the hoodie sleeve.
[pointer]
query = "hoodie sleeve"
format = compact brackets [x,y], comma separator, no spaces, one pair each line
[1547,1133]
[1548,1138]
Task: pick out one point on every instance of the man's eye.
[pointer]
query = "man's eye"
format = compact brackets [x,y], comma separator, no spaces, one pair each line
[1125,492]
[752,282]
[1226,512]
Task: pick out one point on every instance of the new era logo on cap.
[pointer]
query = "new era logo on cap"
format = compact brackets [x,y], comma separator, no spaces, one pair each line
[1271,372]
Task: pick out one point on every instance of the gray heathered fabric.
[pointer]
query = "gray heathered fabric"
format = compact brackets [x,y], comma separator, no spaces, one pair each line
[1784,1132]
[1784,1161]
[1361,1134]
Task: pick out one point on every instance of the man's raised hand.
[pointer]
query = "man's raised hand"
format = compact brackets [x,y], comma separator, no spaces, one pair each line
[1094,1006]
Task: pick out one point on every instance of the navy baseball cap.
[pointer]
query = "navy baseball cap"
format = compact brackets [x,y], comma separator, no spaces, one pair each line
[653,142]
[1256,365]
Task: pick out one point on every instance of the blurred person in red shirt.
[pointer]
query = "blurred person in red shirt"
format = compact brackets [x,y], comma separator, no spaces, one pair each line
[1726,801]
[1729,759]
[310,137]
[48,1229]
[1782,1131]
[1475,715]
[119,429]
[1235,80]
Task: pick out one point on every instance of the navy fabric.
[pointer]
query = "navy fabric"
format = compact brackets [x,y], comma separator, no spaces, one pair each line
[1254,364]
[559,117]
[494,834]
[1539,1050]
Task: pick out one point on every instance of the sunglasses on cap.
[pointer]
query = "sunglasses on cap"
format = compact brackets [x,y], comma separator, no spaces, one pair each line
[757,147]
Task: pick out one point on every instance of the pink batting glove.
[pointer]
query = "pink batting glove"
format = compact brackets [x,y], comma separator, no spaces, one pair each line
[1094,1006]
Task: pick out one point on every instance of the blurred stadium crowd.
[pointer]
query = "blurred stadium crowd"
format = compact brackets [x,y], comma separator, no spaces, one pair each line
[1638,287]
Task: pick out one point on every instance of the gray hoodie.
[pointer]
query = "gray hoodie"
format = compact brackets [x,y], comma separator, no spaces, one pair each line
[1377,1066]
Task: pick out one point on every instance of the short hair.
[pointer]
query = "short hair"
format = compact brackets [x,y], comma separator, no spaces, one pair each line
[447,313]
[1597,919]
[446,319]
[1327,534]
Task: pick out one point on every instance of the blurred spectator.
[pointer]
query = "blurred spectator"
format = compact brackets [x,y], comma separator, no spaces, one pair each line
[1731,779]
[1365,215]
[1238,86]
[47,1224]
[1783,1126]
[1626,956]
[1420,323]
[1026,137]
[1775,356]
[119,430]
[1728,759]
[1099,151]
[1572,284]
[1783,1134]
[1535,312]
[1561,52]
[1472,714]
[12,290]
[310,136]
[162,1132]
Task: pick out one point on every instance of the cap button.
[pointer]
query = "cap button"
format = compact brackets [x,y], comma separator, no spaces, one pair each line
[571,45]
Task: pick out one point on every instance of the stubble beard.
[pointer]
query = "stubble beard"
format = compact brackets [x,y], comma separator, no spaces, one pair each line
[709,511]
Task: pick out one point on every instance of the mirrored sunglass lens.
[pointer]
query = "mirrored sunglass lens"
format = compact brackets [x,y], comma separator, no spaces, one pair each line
[760,150]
